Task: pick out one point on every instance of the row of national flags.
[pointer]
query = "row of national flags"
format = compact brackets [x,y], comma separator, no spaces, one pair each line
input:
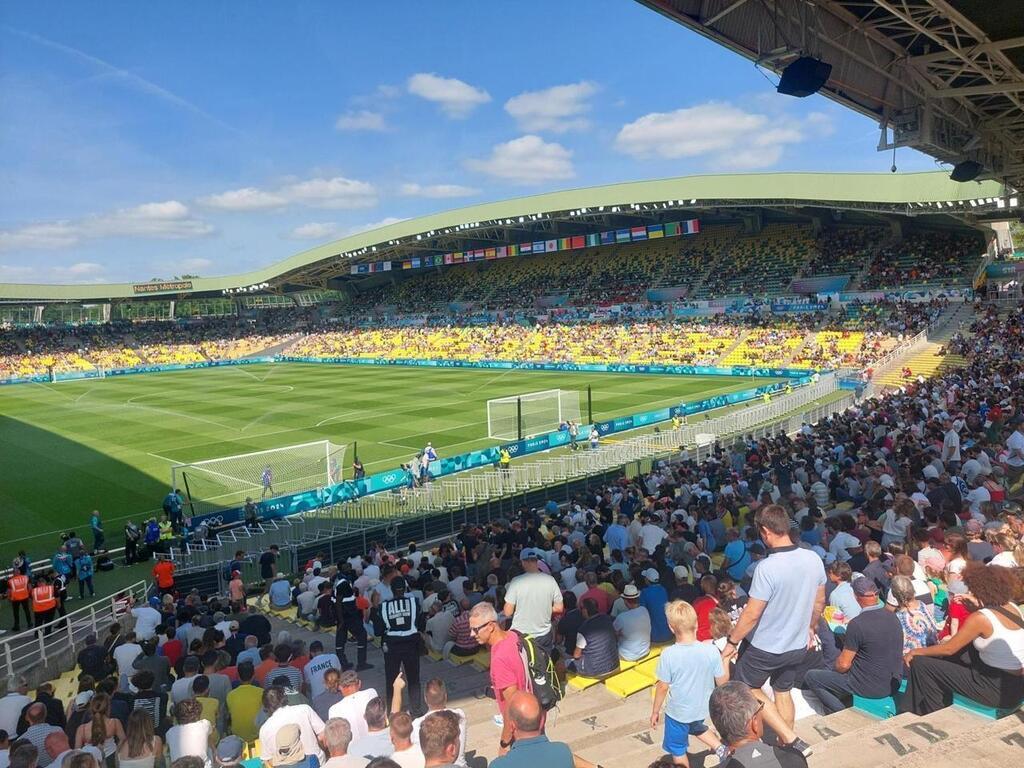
[611,237]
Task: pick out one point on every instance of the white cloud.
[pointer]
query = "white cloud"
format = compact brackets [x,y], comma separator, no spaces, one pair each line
[15,273]
[244,199]
[526,160]
[371,225]
[822,123]
[436,191]
[318,192]
[455,97]
[195,264]
[316,230]
[331,230]
[361,120]
[334,192]
[78,272]
[722,134]
[557,109]
[168,220]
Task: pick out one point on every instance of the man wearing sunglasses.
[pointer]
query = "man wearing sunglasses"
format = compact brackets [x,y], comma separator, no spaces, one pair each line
[507,671]
[738,718]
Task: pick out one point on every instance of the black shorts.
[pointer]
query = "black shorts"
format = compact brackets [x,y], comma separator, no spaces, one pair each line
[755,667]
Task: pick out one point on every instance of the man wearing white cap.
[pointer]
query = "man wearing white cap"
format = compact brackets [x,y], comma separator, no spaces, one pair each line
[532,600]
[633,626]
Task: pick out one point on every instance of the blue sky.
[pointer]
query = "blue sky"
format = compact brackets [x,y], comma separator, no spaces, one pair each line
[143,140]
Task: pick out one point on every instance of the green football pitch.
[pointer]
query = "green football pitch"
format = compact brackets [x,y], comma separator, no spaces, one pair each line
[69,448]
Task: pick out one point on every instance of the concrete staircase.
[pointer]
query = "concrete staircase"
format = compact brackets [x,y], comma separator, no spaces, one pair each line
[740,338]
[277,349]
[950,737]
[928,360]
[615,731]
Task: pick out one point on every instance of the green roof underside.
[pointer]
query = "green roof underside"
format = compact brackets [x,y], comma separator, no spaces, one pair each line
[768,190]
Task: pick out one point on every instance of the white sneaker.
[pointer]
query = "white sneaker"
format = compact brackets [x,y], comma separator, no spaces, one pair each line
[499,721]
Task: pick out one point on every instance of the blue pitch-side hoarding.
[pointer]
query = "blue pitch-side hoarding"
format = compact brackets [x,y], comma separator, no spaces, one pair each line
[395,479]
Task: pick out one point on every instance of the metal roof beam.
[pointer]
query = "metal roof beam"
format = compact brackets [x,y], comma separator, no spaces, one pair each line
[980,90]
[971,51]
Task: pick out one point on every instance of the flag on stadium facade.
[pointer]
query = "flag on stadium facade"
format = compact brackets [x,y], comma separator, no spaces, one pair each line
[406,264]
[691,227]
[491,253]
[539,246]
[526,248]
[448,258]
[593,239]
[550,245]
[386,266]
[671,229]
[607,238]
[576,241]
[622,235]
[655,230]
[457,257]
[363,268]
[501,252]
[638,233]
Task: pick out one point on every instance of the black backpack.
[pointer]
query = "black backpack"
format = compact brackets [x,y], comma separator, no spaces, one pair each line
[540,673]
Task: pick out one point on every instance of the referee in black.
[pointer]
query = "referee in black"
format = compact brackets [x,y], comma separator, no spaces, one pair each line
[399,622]
[350,619]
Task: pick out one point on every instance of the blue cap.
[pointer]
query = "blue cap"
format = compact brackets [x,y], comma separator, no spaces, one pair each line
[154,601]
[529,553]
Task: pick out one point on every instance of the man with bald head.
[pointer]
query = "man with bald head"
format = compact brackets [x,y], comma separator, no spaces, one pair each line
[38,729]
[530,747]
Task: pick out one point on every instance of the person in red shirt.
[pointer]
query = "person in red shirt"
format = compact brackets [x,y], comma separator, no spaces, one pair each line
[172,647]
[595,593]
[507,671]
[960,607]
[163,573]
[704,605]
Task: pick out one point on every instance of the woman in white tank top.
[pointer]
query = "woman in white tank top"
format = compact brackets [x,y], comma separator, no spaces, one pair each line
[984,661]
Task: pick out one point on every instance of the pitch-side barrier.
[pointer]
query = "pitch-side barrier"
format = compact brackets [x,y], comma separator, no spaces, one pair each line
[420,513]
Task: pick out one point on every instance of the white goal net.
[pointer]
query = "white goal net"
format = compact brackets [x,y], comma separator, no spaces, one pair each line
[227,482]
[532,413]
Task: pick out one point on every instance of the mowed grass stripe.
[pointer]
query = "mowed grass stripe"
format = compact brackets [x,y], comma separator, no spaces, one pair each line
[97,444]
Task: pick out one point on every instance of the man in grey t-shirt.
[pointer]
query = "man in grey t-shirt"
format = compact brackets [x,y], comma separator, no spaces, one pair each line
[532,599]
[786,599]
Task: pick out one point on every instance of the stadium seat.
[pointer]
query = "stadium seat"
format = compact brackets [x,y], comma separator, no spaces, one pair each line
[627,683]
[992,713]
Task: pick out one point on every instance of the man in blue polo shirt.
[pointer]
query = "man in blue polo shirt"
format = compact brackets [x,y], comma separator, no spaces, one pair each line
[786,599]
[530,747]
[617,537]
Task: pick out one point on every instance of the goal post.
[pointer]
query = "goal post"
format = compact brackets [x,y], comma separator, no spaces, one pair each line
[531,413]
[226,482]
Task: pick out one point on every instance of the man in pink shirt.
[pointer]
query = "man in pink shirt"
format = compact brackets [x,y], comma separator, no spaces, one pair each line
[508,673]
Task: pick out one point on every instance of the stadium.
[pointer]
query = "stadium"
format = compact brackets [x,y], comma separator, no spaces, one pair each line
[507,383]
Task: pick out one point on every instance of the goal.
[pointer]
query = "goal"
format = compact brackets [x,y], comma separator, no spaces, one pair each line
[532,413]
[224,483]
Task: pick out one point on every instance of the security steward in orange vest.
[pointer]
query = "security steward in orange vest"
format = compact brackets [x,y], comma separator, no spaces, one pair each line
[44,602]
[18,594]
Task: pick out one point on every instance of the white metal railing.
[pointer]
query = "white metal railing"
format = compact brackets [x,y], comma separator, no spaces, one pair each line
[784,413]
[21,652]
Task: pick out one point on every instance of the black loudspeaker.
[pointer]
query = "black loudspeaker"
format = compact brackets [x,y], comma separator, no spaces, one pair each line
[804,77]
[968,170]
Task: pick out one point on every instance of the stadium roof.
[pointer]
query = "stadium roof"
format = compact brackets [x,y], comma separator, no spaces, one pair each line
[555,214]
[943,76]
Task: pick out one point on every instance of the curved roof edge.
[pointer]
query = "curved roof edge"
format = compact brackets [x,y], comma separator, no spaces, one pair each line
[779,188]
